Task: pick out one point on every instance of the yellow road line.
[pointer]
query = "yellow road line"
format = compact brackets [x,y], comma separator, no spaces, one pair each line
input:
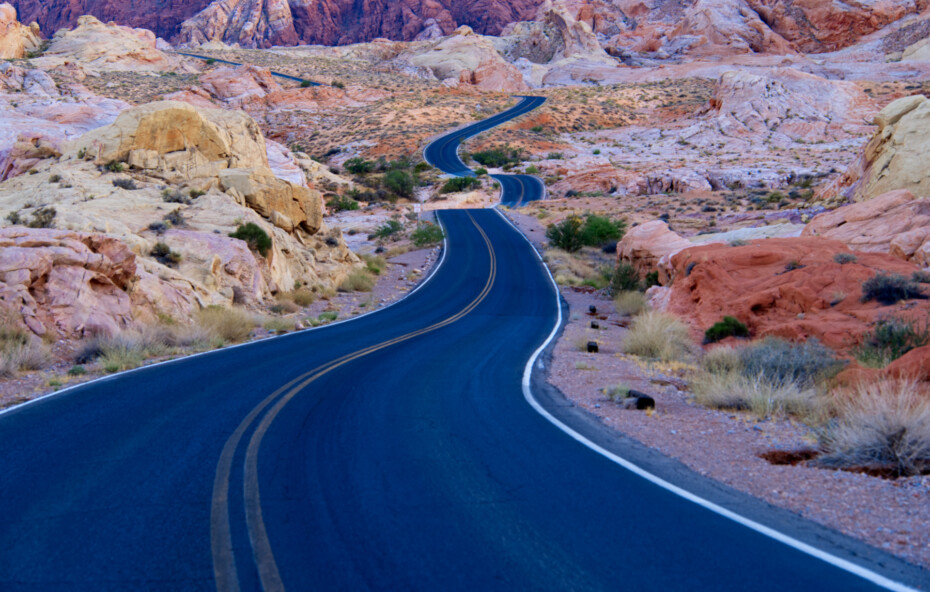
[221,541]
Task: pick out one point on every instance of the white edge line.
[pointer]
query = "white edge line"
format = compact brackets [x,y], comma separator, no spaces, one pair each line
[839,562]
[445,249]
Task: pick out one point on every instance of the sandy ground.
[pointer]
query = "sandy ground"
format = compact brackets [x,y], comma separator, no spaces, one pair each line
[402,274]
[890,514]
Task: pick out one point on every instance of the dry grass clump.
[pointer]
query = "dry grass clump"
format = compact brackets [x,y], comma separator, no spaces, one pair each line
[630,303]
[358,280]
[279,325]
[228,324]
[770,377]
[659,336]
[762,395]
[572,270]
[300,297]
[882,424]
[19,350]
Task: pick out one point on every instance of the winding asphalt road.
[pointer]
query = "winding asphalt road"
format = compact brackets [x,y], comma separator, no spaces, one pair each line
[516,190]
[396,451]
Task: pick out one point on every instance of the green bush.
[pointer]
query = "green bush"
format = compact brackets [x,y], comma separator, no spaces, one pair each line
[115,166]
[359,166]
[257,239]
[498,157]
[341,203]
[600,230]
[427,234]
[481,171]
[532,170]
[457,184]
[844,258]
[388,229]
[890,289]
[624,278]
[399,182]
[43,218]
[305,84]
[890,339]
[566,235]
[728,327]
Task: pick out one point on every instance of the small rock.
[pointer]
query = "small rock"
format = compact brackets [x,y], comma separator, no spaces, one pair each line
[592,347]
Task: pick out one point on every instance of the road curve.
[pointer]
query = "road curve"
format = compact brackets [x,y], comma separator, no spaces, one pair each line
[443,153]
[391,452]
[273,73]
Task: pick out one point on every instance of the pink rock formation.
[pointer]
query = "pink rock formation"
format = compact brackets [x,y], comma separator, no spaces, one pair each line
[66,284]
[263,23]
[896,223]
[644,246]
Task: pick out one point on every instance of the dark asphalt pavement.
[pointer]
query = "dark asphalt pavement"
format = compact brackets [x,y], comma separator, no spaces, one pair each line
[516,189]
[392,452]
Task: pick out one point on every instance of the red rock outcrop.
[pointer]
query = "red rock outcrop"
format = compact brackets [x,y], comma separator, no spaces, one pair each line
[817,26]
[786,287]
[163,17]
[263,23]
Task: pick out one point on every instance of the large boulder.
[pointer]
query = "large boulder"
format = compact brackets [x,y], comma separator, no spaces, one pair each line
[644,246]
[176,140]
[896,223]
[66,283]
[237,86]
[895,157]
[287,205]
[786,287]
[16,40]
[96,46]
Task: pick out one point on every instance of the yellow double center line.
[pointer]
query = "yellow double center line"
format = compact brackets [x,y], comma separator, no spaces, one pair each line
[224,563]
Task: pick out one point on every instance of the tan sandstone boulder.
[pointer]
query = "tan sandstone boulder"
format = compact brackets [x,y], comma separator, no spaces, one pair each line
[896,223]
[16,39]
[177,140]
[895,157]
[287,205]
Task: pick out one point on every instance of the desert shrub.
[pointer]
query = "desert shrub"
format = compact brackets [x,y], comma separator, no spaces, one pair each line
[284,305]
[570,270]
[127,184]
[617,392]
[883,424]
[399,182]
[175,196]
[388,230]
[300,297]
[164,255]
[359,166]
[921,277]
[624,278]
[600,230]
[358,280]
[481,171]
[338,84]
[175,218]
[305,84]
[77,370]
[228,324]
[566,235]
[115,166]
[44,217]
[195,193]
[777,359]
[728,327]
[630,303]
[340,203]
[844,258]
[889,289]
[457,184]
[658,335]
[532,170]
[254,236]
[374,263]
[427,234]
[555,156]
[158,227]
[498,157]
[890,339]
